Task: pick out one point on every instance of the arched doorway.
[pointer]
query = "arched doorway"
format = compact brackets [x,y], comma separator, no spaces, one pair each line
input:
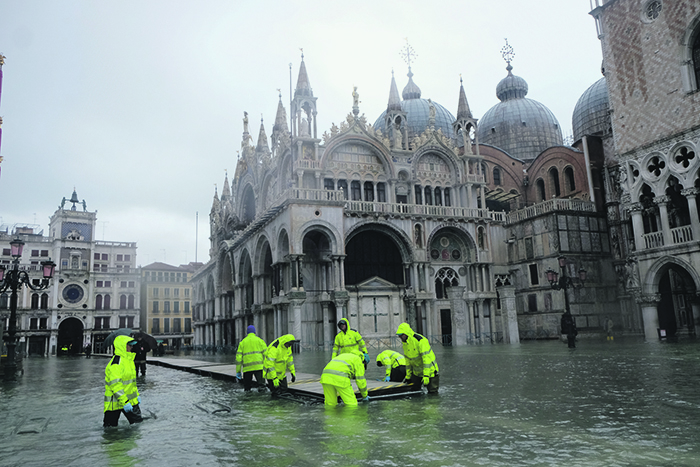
[373,253]
[70,337]
[675,312]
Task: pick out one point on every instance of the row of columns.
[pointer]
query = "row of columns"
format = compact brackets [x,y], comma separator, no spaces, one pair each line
[662,202]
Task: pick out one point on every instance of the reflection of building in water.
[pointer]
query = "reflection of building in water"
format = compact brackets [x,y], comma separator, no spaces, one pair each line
[449,222]
[95,289]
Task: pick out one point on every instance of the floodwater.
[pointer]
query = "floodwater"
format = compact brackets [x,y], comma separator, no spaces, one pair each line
[621,403]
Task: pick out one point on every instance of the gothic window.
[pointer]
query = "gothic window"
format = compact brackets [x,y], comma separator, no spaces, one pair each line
[356,193]
[569,177]
[381,192]
[438,196]
[649,209]
[369,191]
[448,201]
[496,176]
[554,180]
[445,277]
[328,184]
[428,195]
[540,190]
[419,195]
[677,207]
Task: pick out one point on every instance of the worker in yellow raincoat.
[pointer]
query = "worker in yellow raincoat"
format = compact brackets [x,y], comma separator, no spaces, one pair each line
[121,394]
[337,380]
[421,365]
[395,365]
[277,361]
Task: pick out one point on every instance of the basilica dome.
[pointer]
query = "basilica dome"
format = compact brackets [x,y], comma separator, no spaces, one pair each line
[520,126]
[592,112]
[418,112]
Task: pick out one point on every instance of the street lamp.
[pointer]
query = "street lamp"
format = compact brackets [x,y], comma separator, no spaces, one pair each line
[12,280]
[564,282]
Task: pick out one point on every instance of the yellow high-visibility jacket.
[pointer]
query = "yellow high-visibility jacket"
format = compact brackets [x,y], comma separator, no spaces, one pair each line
[249,356]
[391,359]
[344,368]
[349,341]
[278,358]
[120,377]
[419,355]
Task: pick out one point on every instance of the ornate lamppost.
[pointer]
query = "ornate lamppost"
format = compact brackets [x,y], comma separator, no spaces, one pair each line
[12,280]
[564,282]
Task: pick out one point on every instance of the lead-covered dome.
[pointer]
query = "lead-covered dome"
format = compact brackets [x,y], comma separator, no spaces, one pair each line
[592,112]
[417,111]
[520,126]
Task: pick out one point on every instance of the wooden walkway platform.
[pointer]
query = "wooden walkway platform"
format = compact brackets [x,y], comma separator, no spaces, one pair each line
[306,385]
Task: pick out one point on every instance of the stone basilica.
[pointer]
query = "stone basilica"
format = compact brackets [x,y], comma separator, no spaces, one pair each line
[451,223]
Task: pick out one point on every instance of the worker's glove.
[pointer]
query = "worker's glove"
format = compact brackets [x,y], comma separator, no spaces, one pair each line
[239,375]
[128,407]
[407,381]
[366,399]
[276,382]
[386,380]
[426,380]
[366,358]
[294,378]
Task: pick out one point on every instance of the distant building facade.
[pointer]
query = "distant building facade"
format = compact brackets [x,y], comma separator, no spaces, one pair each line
[95,289]
[166,303]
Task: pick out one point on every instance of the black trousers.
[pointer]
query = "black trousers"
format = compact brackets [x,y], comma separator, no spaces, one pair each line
[571,339]
[140,365]
[398,374]
[282,387]
[248,380]
[111,417]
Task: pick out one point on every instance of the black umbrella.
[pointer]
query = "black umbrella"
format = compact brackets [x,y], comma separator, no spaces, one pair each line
[149,342]
[109,340]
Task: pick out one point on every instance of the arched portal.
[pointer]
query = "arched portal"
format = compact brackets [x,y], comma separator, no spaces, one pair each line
[677,291]
[373,253]
[70,337]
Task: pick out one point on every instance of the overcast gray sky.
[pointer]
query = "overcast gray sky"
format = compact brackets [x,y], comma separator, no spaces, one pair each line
[139,104]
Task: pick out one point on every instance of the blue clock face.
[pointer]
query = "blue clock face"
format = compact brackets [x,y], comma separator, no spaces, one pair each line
[73,293]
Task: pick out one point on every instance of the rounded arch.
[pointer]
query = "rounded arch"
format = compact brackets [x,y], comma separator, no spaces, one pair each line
[457,239]
[318,224]
[373,252]
[426,167]
[688,51]
[247,205]
[377,148]
[70,336]
[282,244]
[316,245]
[227,271]
[399,236]
[652,278]
[262,255]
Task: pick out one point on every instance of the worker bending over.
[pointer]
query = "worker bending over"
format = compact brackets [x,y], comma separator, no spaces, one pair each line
[395,364]
[422,366]
[279,360]
[337,376]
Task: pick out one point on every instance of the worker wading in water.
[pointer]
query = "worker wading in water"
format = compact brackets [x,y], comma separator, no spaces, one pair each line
[337,380]
[279,360]
[349,341]
[121,394]
[421,365]
[395,364]
[249,360]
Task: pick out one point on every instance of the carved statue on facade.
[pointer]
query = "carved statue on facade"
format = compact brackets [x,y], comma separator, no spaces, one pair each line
[632,274]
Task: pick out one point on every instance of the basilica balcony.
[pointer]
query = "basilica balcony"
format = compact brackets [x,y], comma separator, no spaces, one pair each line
[360,208]
[549,206]
[679,236]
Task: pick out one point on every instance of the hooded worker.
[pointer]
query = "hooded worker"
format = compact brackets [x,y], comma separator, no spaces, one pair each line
[395,364]
[277,361]
[249,360]
[337,379]
[421,365]
[349,341]
[121,394]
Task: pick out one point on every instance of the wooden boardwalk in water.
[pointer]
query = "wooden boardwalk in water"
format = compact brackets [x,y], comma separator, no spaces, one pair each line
[306,385]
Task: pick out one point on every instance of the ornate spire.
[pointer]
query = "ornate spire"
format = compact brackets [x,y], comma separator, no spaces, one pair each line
[463,110]
[303,86]
[262,145]
[281,117]
[226,191]
[394,99]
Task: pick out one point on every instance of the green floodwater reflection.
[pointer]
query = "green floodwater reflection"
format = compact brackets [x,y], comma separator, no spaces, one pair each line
[621,403]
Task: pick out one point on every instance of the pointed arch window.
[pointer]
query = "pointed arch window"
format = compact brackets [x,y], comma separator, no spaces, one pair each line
[445,277]
[438,196]
[448,200]
[696,58]
[428,196]
[419,194]
[356,193]
[369,191]
[381,192]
